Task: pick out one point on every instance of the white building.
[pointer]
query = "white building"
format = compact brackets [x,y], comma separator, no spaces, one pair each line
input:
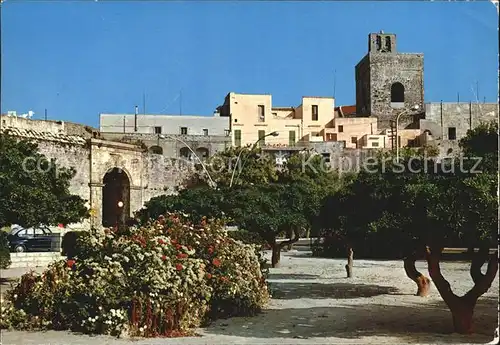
[214,125]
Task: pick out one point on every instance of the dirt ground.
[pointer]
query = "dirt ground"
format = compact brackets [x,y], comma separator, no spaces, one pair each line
[313,303]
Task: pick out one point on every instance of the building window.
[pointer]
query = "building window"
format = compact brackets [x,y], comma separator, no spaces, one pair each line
[397,93]
[237,137]
[291,138]
[375,144]
[354,140]
[452,133]
[341,128]
[262,138]
[158,130]
[315,113]
[315,134]
[227,132]
[184,130]
[205,132]
[262,113]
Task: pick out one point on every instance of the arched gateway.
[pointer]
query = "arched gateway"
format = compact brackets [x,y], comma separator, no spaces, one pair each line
[115,198]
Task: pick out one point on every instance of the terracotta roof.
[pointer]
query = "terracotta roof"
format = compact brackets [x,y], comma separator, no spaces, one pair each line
[346,109]
[47,136]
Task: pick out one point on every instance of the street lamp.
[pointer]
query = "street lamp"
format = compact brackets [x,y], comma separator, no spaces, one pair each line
[414,108]
[119,214]
[274,134]
[194,153]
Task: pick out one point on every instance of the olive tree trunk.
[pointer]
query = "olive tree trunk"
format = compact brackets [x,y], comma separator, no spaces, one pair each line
[423,283]
[350,258]
[462,308]
[276,247]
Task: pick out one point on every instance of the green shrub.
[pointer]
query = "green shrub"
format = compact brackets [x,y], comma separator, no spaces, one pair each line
[162,279]
[4,251]
[74,243]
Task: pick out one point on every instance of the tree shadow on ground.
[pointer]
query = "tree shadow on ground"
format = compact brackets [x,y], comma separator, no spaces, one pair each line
[413,323]
[335,290]
[286,276]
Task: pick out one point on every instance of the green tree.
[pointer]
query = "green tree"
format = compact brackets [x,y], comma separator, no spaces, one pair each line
[198,202]
[289,206]
[33,189]
[424,211]
[482,142]
[253,166]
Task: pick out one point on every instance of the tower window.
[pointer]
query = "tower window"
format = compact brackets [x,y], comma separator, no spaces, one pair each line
[397,93]
[379,43]
[388,43]
[452,133]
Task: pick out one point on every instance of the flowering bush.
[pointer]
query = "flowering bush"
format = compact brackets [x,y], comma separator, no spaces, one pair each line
[161,279]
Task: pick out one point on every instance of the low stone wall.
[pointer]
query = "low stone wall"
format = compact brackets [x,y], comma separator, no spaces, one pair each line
[34,259]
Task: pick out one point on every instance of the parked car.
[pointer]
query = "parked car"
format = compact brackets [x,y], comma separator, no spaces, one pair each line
[35,239]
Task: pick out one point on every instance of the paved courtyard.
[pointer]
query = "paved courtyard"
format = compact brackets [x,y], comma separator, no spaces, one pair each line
[313,303]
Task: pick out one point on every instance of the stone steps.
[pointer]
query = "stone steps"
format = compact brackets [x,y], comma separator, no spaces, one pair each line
[34,259]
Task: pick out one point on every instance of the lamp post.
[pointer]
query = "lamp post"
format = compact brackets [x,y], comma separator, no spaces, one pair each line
[415,107]
[212,183]
[274,134]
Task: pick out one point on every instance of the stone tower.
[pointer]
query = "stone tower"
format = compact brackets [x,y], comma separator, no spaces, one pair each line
[388,82]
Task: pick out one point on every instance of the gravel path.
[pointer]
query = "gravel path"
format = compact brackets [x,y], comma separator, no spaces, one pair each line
[313,303]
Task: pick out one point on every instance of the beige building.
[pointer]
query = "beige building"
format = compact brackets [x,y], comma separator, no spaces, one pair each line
[351,130]
[406,137]
[253,116]
[316,119]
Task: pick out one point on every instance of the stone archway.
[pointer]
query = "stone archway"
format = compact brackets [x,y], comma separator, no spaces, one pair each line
[185,153]
[156,150]
[115,198]
[202,152]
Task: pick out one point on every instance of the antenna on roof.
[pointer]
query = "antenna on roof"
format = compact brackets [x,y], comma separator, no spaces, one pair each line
[334,82]
[180,102]
[135,118]
[45,114]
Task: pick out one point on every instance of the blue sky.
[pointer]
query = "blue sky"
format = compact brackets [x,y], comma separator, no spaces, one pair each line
[78,59]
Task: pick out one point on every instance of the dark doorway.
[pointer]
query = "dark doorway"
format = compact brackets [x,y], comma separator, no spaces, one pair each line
[202,152]
[156,149]
[115,198]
